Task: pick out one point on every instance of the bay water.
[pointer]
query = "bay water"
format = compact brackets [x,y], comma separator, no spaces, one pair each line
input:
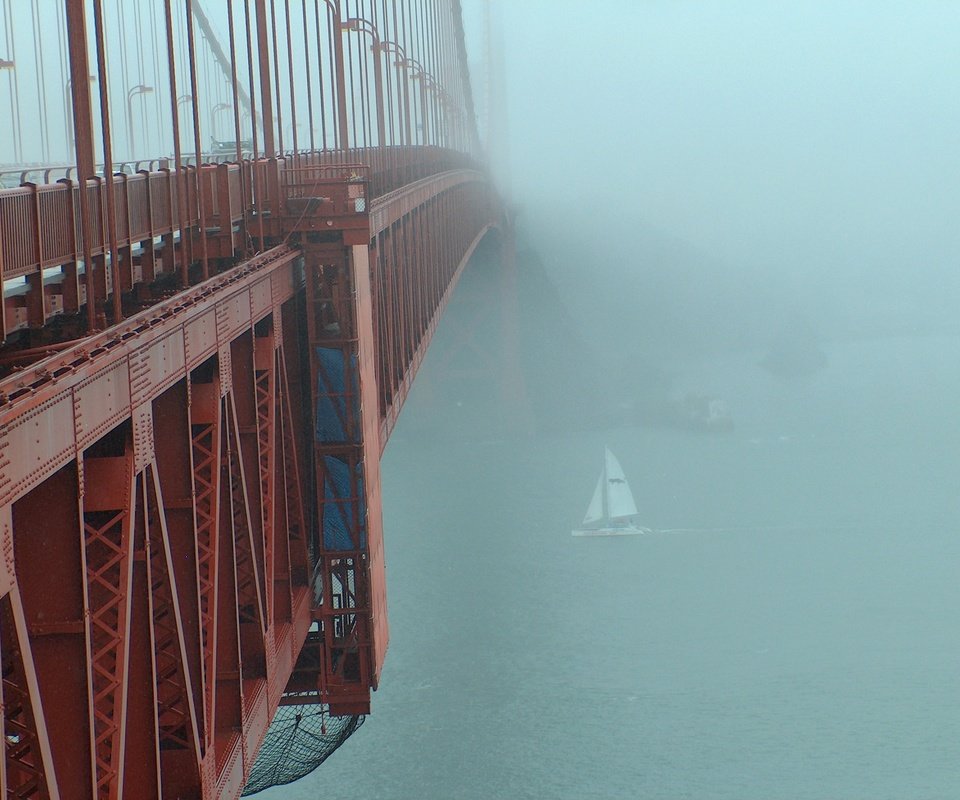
[791,632]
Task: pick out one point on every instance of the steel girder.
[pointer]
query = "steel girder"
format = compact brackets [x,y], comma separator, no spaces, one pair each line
[150,482]
[168,574]
[423,237]
[373,297]
[165,494]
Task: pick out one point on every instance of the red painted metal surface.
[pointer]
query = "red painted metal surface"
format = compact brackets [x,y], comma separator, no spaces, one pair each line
[119,426]
[190,508]
[169,443]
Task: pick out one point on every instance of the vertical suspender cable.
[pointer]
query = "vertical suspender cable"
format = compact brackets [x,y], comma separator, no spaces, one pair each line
[306,65]
[363,66]
[208,94]
[323,105]
[107,158]
[352,92]
[276,76]
[387,73]
[14,84]
[427,42]
[451,90]
[257,186]
[125,75]
[408,48]
[440,49]
[293,97]
[195,103]
[263,68]
[42,83]
[448,90]
[436,80]
[343,141]
[83,137]
[181,177]
[409,32]
[379,74]
[157,102]
[452,79]
[61,41]
[138,23]
[235,93]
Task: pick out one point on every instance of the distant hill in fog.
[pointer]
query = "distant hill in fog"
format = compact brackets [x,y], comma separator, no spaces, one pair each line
[596,332]
[650,292]
[460,389]
[656,297]
[565,376]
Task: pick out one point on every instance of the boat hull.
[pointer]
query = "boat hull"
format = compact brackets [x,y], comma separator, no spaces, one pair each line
[589,532]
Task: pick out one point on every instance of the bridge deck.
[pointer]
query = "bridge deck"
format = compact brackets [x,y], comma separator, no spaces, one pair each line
[180,433]
[200,365]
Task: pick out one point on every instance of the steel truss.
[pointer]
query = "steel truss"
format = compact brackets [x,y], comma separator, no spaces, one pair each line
[143,646]
[169,573]
[210,360]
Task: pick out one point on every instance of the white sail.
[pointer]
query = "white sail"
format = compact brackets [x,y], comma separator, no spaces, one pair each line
[595,510]
[619,498]
[612,504]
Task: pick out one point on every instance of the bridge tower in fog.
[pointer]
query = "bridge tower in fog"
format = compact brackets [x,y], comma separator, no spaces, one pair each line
[227,234]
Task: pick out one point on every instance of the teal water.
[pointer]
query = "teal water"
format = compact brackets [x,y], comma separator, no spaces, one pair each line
[801,642]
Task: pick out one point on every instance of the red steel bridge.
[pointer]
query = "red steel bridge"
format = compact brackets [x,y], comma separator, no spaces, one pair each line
[217,292]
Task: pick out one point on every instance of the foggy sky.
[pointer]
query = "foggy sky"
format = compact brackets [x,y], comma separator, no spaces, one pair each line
[808,148]
[743,149]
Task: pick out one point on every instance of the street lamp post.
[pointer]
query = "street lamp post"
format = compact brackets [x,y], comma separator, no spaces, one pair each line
[357,24]
[136,90]
[6,63]
[448,114]
[454,121]
[182,100]
[423,76]
[400,63]
[213,116]
[431,85]
[68,103]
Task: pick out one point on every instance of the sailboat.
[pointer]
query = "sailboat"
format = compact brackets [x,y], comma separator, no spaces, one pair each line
[612,508]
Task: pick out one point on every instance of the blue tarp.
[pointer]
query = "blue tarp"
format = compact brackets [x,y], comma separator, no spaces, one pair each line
[340,505]
[332,380]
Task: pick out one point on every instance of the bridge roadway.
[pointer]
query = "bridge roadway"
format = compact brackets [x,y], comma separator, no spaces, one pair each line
[189,498]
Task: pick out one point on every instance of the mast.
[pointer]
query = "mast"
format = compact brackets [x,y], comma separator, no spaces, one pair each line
[604,506]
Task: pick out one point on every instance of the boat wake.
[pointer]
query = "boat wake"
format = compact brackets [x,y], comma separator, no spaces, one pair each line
[761,529]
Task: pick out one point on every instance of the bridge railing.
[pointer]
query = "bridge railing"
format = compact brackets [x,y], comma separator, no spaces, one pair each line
[148,202]
[41,227]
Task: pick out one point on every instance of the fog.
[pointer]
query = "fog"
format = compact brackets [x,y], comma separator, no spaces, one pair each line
[747,202]
[710,167]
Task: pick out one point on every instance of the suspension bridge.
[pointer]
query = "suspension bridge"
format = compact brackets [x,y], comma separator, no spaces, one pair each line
[226,237]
